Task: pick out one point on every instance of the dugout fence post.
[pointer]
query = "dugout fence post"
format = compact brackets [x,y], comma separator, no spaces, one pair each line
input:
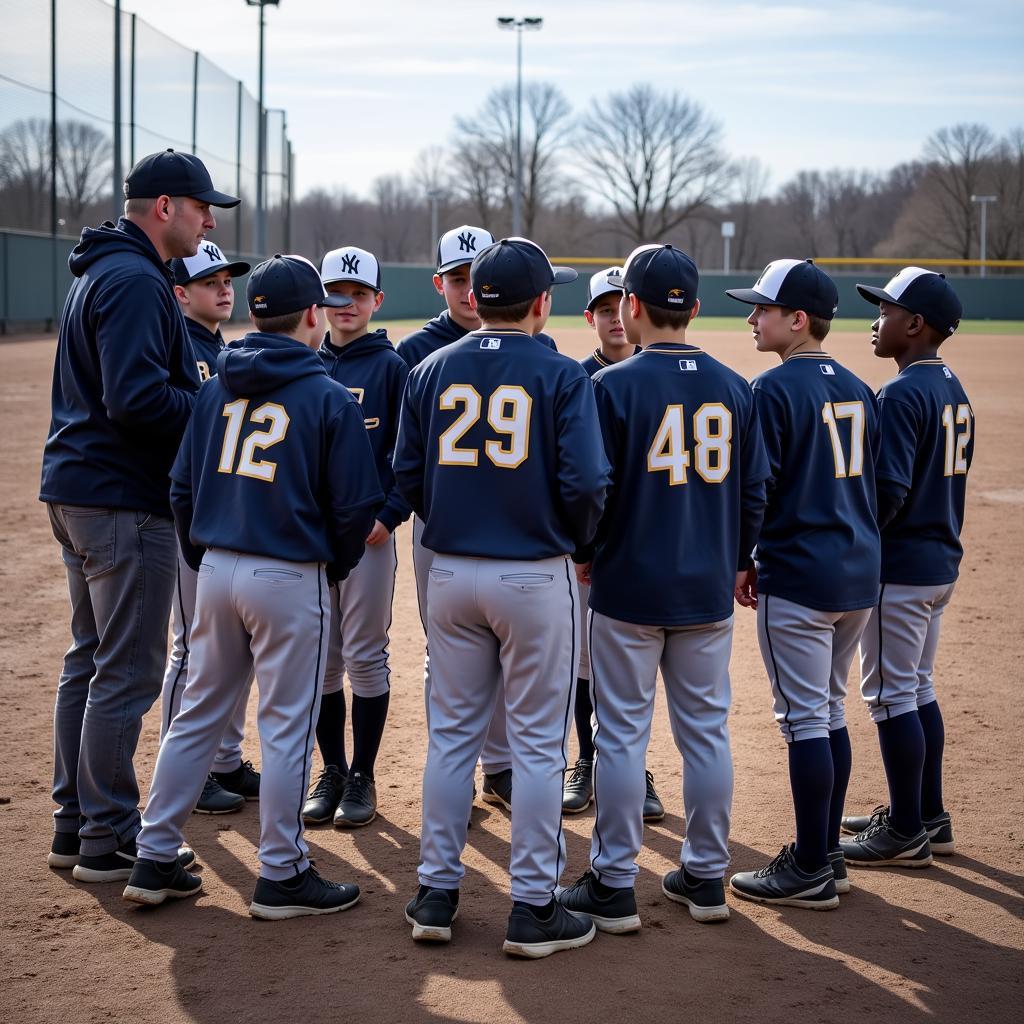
[118,177]
[131,100]
[53,163]
[238,167]
[195,97]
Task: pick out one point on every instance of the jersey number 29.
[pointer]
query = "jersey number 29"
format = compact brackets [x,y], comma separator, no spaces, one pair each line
[508,412]
[712,429]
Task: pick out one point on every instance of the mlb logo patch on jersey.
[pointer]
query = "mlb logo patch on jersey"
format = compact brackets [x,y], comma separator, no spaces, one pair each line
[490,343]
[949,374]
[826,369]
[687,364]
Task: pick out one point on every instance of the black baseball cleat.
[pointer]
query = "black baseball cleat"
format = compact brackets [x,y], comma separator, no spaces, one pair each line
[64,850]
[939,829]
[325,796]
[117,865]
[614,912]
[244,780]
[300,896]
[358,805]
[837,862]
[654,810]
[431,914]
[532,935]
[704,896]
[578,788]
[880,845]
[781,882]
[215,799]
[498,789]
[151,882]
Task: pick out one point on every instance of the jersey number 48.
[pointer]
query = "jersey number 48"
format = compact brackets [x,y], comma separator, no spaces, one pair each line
[712,452]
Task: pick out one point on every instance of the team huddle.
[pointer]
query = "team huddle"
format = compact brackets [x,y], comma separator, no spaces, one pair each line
[577,528]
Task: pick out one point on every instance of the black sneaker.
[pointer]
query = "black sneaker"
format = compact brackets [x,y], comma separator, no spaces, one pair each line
[837,862]
[305,894]
[152,882]
[532,936]
[578,788]
[325,796]
[64,850]
[117,866]
[244,780]
[704,896]
[653,808]
[939,829]
[615,913]
[431,914]
[880,845]
[358,803]
[498,789]
[215,799]
[782,883]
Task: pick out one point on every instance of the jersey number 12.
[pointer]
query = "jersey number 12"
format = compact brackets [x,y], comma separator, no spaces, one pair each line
[248,464]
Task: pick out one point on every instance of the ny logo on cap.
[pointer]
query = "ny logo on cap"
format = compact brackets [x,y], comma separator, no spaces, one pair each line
[350,264]
[213,252]
[467,242]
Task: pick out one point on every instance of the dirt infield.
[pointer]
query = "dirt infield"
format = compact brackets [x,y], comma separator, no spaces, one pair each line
[942,944]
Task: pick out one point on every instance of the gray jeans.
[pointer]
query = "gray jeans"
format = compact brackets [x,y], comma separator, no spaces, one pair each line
[120,566]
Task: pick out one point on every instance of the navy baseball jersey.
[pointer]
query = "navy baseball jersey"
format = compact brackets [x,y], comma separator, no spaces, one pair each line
[687,491]
[927,443]
[206,347]
[596,361]
[275,461]
[375,374]
[498,450]
[819,544]
[437,333]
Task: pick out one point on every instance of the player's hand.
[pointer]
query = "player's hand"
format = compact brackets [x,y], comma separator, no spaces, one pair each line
[583,573]
[745,591]
[378,534]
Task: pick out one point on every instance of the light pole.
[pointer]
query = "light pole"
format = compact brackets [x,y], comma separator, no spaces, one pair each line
[260,234]
[728,233]
[983,201]
[434,195]
[519,25]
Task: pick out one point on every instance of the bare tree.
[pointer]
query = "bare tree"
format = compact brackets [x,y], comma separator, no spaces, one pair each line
[1006,230]
[481,181]
[802,199]
[84,169]
[656,158]
[25,173]
[399,217]
[750,186]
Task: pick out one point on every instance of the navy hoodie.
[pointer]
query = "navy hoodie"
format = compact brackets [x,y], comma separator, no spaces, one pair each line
[371,369]
[206,347]
[124,377]
[298,482]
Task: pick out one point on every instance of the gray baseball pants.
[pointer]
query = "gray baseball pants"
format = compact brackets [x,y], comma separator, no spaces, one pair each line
[120,570]
[491,622]
[897,650]
[260,614]
[183,613]
[694,663]
[807,653]
[495,756]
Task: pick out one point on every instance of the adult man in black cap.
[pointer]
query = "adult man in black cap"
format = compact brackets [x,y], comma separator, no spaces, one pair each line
[124,382]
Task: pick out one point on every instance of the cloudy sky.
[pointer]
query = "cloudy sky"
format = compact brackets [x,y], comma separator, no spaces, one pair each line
[798,84]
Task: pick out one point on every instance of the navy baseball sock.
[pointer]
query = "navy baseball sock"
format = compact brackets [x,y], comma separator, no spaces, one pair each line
[582,712]
[330,730]
[934,741]
[368,717]
[842,762]
[901,740]
[810,778]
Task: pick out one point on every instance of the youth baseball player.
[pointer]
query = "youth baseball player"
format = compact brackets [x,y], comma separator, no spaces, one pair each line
[274,492]
[367,364]
[498,454]
[124,380]
[815,576]
[927,444]
[203,288]
[683,511]
[602,315]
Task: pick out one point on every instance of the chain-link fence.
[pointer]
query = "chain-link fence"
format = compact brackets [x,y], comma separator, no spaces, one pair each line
[85,93]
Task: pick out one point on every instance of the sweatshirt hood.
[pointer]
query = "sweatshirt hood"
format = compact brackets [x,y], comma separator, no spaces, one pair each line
[263,362]
[444,327]
[107,239]
[368,343]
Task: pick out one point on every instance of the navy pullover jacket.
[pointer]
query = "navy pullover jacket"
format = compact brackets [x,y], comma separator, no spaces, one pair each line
[124,377]
[206,347]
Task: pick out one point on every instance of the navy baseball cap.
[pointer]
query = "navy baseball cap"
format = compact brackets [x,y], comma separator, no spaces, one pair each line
[460,246]
[514,270]
[209,260]
[598,286]
[795,284]
[923,292]
[174,174]
[659,275]
[287,284]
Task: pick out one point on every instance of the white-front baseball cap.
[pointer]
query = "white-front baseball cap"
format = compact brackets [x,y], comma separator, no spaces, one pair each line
[600,285]
[350,263]
[208,260]
[460,246]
